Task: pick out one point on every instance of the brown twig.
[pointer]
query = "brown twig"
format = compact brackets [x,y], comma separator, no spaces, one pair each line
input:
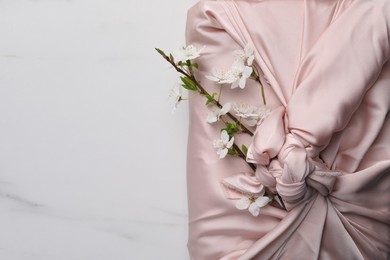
[243,156]
[257,78]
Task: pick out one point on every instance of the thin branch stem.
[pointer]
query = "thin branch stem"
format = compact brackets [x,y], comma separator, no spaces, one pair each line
[220,93]
[243,156]
[257,78]
[262,93]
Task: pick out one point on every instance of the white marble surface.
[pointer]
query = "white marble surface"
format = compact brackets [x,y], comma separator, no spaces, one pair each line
[92,163]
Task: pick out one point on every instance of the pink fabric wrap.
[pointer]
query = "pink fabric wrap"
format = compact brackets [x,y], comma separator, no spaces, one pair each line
[325,147]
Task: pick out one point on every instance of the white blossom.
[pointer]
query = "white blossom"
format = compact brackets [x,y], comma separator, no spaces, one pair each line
[251,115]
[189,52]
[217,112]
[241,73]
[176,97]
[222,76]
[253,204]
[223,144]
[246,56]
[236,75]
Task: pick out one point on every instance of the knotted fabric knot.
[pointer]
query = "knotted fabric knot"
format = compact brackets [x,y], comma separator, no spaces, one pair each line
[283,163]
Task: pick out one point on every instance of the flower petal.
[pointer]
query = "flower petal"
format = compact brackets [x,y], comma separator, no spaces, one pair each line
[247,72]
[250,60]
[238,66]
[235,84]
[222,153]
[252,122]
[262,201]
[254,209]
[230,143]
[224,137]
[242,82]
[211,118]
[225,109]
[243,203]
[212,78]
[249,50]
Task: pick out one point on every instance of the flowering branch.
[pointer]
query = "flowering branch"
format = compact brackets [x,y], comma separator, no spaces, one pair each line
[190,83]
[237,75]
[201,89]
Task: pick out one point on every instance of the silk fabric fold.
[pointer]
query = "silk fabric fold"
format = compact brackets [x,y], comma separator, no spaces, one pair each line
[325,147]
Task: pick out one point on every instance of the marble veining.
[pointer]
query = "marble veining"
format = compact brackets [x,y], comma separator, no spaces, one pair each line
[84,119]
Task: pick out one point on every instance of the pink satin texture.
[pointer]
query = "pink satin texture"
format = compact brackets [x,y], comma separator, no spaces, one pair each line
[326,145]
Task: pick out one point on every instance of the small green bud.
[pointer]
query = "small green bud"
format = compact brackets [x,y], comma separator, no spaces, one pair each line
[161,52]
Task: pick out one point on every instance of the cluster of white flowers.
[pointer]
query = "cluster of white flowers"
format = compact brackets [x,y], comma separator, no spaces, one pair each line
[240,70]
[253,203]
[223,144]
[222,76]
[245,56]
[237,75]
[183,54]
[251,115]
[189,52]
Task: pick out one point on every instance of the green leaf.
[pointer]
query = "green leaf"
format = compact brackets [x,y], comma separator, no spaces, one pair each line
[189,83]
[186,87]
[244,149]
[231,128]
[232,151]
[161,52]
[210,99]
[171,57]
[195,65]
